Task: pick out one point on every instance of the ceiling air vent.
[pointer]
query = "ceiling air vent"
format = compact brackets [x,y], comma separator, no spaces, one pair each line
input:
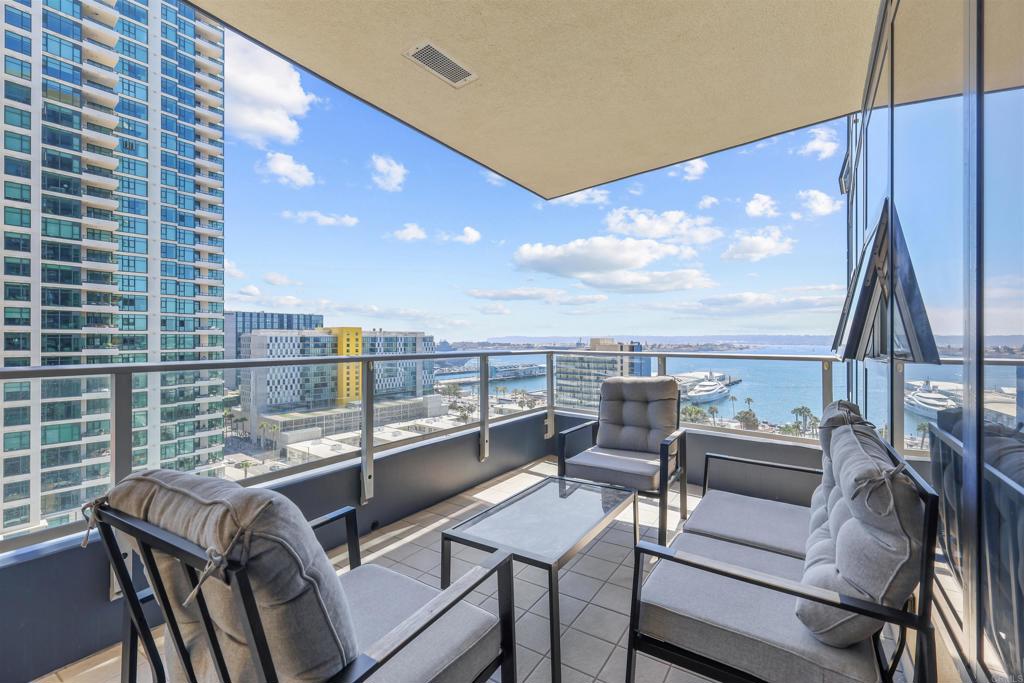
[431,58]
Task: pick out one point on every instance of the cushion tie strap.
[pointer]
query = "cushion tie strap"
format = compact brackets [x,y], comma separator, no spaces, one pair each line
[89,512]
[215,560]
[872,485]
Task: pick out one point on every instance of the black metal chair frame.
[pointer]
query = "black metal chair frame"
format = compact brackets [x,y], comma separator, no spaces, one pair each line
[665,477]
[192,559]
[916,614]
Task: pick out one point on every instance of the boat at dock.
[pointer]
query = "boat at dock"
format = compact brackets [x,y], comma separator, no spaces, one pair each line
[707,391]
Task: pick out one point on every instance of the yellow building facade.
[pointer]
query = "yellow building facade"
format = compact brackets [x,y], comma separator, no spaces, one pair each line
[350,375]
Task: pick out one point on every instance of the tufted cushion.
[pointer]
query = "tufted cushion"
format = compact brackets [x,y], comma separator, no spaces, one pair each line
[300,600]
[873,546]
[637,413]
[836,414]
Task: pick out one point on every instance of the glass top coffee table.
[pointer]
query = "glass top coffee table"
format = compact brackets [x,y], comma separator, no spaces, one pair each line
[543,526]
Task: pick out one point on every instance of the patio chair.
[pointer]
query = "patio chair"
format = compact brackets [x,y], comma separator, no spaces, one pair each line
[737,598]
[636,442]
[247,594]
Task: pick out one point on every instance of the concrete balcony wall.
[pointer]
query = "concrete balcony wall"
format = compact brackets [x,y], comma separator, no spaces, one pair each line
[55,595]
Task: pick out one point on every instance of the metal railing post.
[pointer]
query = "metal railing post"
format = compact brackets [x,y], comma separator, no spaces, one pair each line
[121,424]
[485,408]
[826,383]
[366,468]
[662,366]
[549,421]
[897,388]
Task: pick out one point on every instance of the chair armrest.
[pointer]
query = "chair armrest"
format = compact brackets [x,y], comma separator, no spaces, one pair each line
[392,643]
[708,457]
[347,513]
[563,436]
[779,584]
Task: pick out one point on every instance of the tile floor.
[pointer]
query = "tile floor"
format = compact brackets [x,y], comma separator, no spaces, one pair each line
[594,587]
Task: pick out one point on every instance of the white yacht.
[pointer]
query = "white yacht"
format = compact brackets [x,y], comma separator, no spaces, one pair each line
[707,391]
[927,402]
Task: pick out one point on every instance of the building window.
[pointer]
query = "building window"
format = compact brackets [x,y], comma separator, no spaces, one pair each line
[16,516]
[16,490]
[18,19]
[16,291]
[17,68]
[20,267]
[16,217]
[18,43]
[17,192]
[14,417]
[17,117]
[17,441]
[17,391]
[17,341]
[17,316]
[17,92]
[17,167]
[16,241]
[16,142]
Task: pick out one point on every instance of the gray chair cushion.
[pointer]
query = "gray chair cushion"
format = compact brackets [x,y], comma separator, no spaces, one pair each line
[456,648]
[747,627]
[768,524]
[638,470]
[302,606]
[637,413]
[873,546]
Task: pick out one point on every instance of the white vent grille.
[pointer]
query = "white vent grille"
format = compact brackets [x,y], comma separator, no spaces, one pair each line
[434,60]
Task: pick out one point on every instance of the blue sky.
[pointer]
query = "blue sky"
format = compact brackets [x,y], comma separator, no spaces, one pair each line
[335,208]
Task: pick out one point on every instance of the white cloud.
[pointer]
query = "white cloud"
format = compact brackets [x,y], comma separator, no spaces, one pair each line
[280,280]
[232,269]
[636,189]
[494,309]
[469,235]
[493,178]
[608,262]
[823,143]
[548,295]
[410,232]
[706,202]
[264,94]
[691,170]
[674,226]
[795,215]
[762,205]
[819,203]
[591,196]
[763,301]
[249,291]
[388,174]
[760,245]
[320,218]
[286,170]
[651,281]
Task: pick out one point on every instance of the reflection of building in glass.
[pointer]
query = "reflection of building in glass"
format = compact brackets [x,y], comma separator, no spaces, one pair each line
[237,323]
[578,378]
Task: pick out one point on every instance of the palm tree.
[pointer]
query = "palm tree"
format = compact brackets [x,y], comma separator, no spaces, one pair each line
[814,422]
[732,400]
[922,429]
[749,401]
[713,411]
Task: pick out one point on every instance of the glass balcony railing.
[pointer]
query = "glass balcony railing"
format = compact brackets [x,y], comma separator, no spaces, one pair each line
[331,409]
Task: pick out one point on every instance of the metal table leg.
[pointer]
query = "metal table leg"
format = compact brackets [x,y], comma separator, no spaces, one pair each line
[446,562]
[556,627]
[636,518]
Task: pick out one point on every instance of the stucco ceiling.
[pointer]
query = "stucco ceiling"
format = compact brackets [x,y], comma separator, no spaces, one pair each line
[575,93]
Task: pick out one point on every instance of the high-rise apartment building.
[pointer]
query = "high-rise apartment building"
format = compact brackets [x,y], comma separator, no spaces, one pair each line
[237,323]
[294,387]
[578,378]
[113,240]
